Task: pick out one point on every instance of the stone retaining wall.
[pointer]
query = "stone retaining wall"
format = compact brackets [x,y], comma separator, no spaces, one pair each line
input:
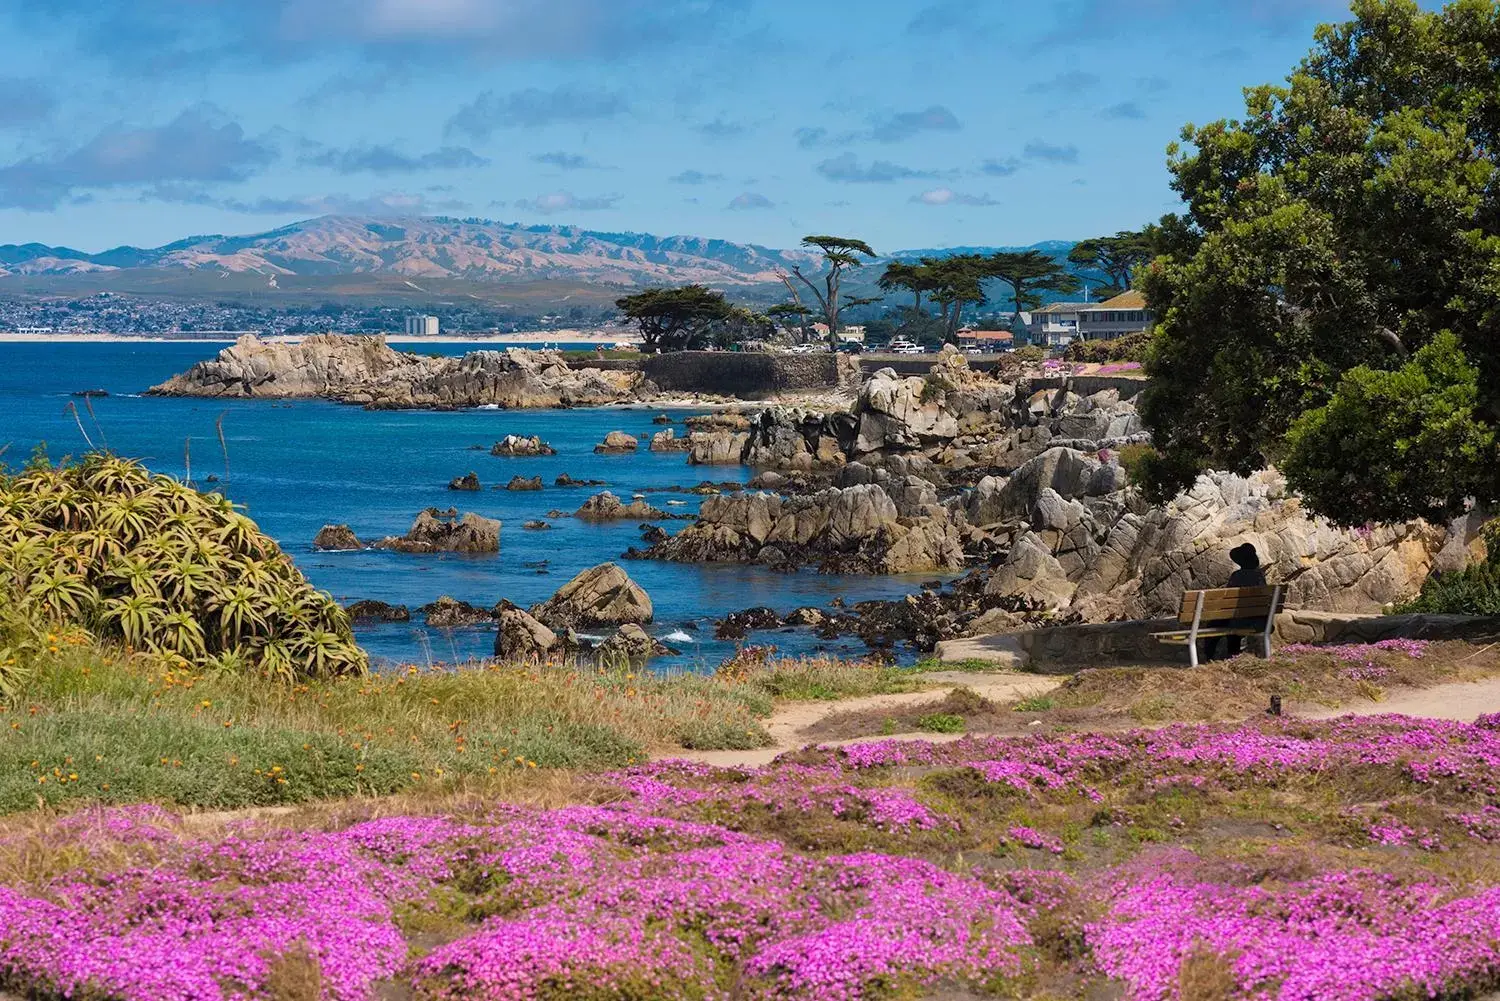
[743,374]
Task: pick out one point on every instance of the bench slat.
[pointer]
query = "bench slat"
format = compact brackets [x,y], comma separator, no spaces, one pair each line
[1221,604]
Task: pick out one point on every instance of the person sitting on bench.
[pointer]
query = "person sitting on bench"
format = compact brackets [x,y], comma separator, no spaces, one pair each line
[1248,573]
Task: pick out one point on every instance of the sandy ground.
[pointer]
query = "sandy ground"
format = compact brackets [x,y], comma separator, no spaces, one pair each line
[1462,701]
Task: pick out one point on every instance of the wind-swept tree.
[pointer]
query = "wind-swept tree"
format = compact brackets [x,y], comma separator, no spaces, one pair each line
[840,255]
[675,319]
[917,278]
[957,281]
[1029,273]
[1117,257]
[791,315]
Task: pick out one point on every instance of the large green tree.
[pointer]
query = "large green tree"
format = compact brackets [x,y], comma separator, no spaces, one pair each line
[1116,257]
[676,319]
[1029,273]
[1330,299]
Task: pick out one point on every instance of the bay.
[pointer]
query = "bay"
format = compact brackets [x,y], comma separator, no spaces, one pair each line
[297,465]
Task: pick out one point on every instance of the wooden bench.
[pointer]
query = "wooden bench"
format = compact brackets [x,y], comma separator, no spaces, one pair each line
[1226,611]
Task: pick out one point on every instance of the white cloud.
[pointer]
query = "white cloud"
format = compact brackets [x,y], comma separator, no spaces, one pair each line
[566,201]
[947,196]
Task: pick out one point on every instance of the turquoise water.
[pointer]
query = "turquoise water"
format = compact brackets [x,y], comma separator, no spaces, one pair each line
[296,466]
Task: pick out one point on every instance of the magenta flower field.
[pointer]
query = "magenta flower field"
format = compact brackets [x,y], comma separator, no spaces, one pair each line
[1289,860]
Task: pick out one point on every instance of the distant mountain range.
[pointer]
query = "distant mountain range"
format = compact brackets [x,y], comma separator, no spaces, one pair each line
[431,248]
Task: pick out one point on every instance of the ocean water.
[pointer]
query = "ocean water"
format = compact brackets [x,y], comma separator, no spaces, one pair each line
[296,466]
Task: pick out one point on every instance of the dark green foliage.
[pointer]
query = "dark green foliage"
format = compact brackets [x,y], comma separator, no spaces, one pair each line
[160,567]
[1347,221]
[1117,257]
[675,319]
[1474,590]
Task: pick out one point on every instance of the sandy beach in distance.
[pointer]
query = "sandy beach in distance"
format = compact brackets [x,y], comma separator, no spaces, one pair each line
[530,337]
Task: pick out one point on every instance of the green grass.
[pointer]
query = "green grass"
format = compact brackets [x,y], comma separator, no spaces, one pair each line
[139,729]
[941,723]
[1037,704]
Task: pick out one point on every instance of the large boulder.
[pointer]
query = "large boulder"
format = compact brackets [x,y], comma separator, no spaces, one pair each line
[617,443]
[668,441]
[717,448]
[631,644]
[521,637]
[450,613]
[336,538]
[370,610]
[447,531]
[600,596]
[469,482]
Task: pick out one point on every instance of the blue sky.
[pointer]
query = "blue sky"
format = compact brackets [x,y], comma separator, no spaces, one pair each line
[911,123]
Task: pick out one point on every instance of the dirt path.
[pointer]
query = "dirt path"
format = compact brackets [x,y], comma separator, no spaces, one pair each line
[788,721]
[1461,700]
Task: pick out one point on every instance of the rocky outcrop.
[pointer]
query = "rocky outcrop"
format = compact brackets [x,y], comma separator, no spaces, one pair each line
[450,613]
[368,371]
[667,441]
[600,596]
[515,445]
[524,483]
[849,530]
[522,638]
[617,443]
[334,538]
[631,644]
[721,420]
[564,480]
[717,448]
[468,481]
[368,610]
[536,526]
[607,507]
[447,531]
[902,413]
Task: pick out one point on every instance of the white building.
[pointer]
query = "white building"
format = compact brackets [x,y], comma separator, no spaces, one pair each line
[1125,314]
[421,326]
[1056,325]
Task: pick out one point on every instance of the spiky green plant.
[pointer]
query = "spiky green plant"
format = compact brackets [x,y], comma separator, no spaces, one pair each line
[150,562]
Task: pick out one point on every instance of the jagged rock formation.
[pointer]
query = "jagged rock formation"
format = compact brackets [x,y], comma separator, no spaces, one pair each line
[368,371]
[446,531]
[853,530]
[334,538]
[468,481]
[600,596]
[524,483]
[521,445]
[668,441]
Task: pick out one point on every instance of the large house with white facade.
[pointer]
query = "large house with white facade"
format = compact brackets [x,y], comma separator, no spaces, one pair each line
[1056,325]
[1125,314]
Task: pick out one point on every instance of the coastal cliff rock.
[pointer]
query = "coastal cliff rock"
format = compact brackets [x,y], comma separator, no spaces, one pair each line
[668,441]
[600,596]
[521,445]
[450,613]
[368,371]
[369,610]
[446,531]
[334,538]
[851,530]
[524,483]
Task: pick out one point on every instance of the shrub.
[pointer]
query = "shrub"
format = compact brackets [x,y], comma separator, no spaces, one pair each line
[150,562]
[1131,347]
[941,723]
[1474,590]
[1131,459]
